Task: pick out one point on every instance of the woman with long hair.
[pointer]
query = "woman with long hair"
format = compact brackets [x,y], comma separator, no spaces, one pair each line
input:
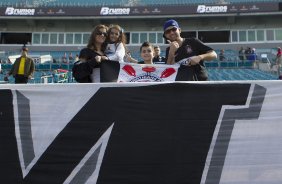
[87,69]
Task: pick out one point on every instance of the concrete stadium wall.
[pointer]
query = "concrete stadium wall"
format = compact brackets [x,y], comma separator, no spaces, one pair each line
[139,24]
[82,24]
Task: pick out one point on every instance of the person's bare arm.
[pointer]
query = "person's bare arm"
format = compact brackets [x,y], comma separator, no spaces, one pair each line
[173,46]
[130,59]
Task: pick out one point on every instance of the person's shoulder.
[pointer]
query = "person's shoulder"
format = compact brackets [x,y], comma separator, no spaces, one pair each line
[191,39]
[119,44]
[86,49]
[77,62]
[86,52]
[188,41]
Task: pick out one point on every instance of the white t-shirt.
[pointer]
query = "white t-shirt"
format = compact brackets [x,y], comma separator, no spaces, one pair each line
[115,51]
[95,76]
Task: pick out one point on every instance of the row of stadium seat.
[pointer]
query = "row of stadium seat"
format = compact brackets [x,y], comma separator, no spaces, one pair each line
[230,55]
[46,73]
[44,77]
[44,67]
[212,64]
[215,74]
[230,64]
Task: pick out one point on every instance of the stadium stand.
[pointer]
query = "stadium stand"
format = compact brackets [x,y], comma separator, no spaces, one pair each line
[253,1]
[62,133]
[223,74]
[217,71]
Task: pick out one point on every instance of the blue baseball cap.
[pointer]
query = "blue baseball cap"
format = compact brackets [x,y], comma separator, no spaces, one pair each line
[170,24]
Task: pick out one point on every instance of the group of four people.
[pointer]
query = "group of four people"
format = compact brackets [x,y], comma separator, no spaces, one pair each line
[108,43]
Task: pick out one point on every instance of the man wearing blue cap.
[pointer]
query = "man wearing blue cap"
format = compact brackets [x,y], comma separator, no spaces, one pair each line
[190,53]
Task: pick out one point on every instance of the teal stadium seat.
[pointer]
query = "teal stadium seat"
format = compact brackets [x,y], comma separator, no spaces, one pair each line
[222,74]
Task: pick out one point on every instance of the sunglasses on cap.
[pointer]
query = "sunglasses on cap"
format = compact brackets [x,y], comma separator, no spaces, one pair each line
[169,30]
[101,33]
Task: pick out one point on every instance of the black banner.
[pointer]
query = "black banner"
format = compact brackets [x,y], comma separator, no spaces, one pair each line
[161,134]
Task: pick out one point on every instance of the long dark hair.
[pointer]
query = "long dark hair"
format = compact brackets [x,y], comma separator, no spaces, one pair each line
[92,42]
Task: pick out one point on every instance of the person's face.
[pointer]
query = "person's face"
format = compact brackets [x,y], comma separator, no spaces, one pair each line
[157,51]
[147,53]
[114,35]
[172,33]
[24,53]
[101,35]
